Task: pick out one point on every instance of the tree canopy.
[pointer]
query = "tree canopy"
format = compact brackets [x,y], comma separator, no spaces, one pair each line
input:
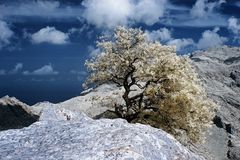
[160,88]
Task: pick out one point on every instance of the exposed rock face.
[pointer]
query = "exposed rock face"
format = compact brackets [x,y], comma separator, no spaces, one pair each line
[62,134]
[93,103]
[219,70]
[15,114]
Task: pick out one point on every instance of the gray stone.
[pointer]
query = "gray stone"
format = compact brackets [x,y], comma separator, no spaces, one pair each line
[15,114]
[219,70]
[62,134]
[234,153]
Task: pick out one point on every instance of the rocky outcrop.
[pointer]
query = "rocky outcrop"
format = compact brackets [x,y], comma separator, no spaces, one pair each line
[15,114]
[93,102]
[219,70]
[62,134]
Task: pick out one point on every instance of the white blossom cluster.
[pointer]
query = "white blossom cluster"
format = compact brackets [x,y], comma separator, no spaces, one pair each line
[174,89]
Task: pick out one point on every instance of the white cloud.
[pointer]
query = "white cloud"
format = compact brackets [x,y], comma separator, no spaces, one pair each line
[210,39]
[16,69]
[198,9]
[107,12]
[202,19]
[50,35]
[2,72]
[45,70]
[5,34]
[204,13]
[162,34]
[204,8]
[181,43]
[148,11]
[234,26]
[110,13]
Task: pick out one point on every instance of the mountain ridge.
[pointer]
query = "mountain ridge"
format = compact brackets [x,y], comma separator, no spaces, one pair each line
[218,68]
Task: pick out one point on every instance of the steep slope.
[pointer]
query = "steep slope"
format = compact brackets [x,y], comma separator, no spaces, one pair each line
[15,114]
[62,134]
[219,70]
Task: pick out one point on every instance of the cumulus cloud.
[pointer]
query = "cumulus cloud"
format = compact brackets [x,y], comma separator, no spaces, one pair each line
[181,43]
[234,26]
[5,34]
[107,12]
[50,35]
[110,13]
[162,34]
[16,69]
[198,16]
[148,11]
[45,70]
[204,8]
[210,39]
[204,13]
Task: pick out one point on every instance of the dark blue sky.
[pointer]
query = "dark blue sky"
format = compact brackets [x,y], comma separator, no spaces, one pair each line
[43,44]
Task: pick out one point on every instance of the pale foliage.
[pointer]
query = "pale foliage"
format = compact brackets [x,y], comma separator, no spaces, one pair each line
[173,98]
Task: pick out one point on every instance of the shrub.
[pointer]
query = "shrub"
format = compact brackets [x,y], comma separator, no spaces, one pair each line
[160,88]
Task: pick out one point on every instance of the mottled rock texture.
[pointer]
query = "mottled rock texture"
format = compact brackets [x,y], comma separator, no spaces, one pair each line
[62,134]
[219,70]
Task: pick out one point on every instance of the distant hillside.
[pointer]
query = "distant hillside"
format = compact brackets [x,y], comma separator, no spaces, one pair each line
[219,70]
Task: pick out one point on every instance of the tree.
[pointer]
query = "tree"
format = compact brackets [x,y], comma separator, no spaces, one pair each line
[160,88]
